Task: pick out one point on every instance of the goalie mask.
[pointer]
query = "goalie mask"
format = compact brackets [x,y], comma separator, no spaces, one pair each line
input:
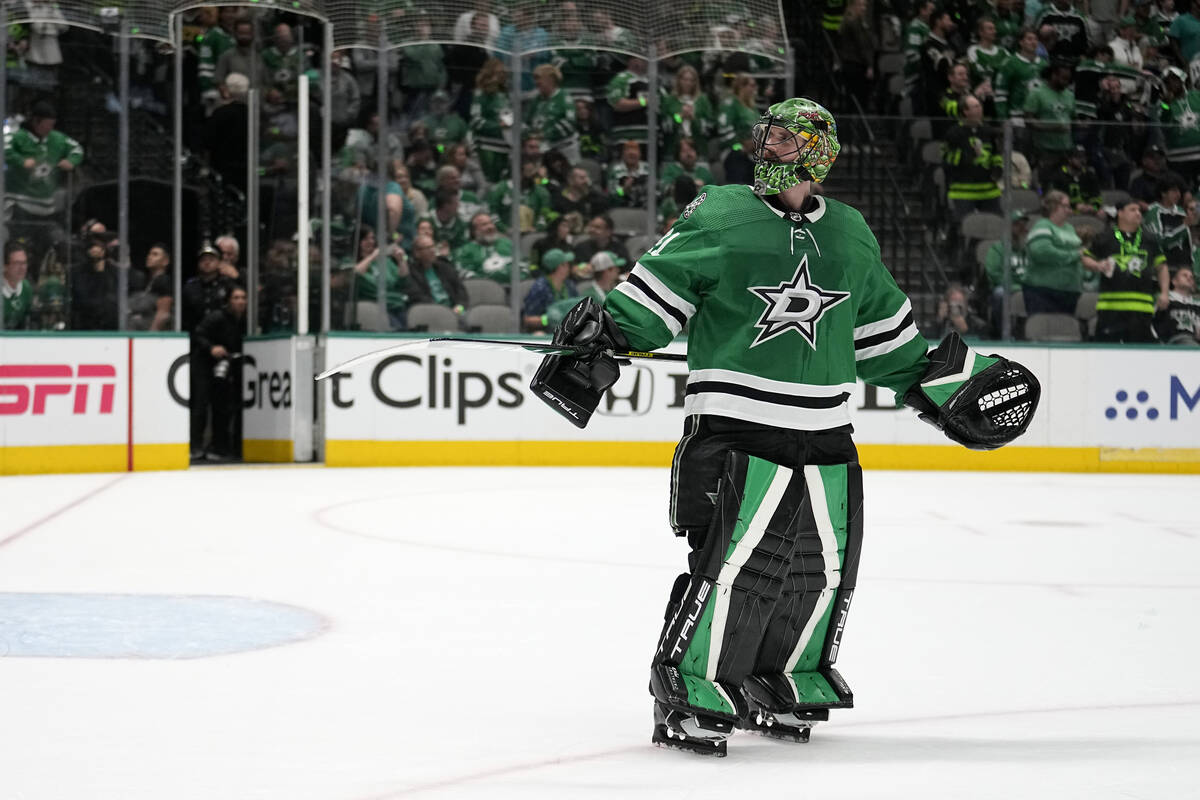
[795,141]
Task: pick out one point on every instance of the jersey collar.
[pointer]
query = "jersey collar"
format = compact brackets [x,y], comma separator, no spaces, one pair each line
[812,212]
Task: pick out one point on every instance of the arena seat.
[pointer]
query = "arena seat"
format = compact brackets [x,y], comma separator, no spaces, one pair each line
[1053,328]
[483,291]
[432,317]
[491,318]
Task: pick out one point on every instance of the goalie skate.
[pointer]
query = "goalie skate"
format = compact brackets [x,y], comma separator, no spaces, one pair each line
[792,726]
[695,733]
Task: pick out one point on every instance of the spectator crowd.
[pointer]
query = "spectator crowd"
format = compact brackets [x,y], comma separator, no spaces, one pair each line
[1101,101]
[1101,98]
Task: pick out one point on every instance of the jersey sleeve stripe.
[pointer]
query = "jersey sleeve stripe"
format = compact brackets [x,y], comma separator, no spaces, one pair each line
[885,334]
[872,328]
[903,337]
[657,294]
[632,290]
[662,291]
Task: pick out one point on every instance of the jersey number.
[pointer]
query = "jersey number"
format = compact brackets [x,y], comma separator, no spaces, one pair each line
[662,243]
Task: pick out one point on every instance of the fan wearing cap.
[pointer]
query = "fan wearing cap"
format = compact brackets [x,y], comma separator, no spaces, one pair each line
[445,127]
[1078,181]
[93,286]
[786,303]
[602,273]
[1125,46]
[553,285]
[1179,117]
[1144,187]
[207,290]
[36,157]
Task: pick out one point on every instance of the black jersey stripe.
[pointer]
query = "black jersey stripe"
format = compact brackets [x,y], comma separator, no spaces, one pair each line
[885,336]
[722,387]
[679,316]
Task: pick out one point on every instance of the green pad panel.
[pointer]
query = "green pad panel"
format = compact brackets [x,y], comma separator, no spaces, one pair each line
[811,687]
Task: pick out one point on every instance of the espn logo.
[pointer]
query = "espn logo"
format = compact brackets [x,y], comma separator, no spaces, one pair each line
[28,387]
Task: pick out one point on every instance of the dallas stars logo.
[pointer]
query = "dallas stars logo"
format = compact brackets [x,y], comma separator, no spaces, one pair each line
[797,305]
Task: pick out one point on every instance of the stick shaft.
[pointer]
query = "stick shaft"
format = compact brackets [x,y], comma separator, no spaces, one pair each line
[462,341]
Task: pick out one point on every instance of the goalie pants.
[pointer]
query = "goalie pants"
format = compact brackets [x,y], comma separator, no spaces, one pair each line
[773,519]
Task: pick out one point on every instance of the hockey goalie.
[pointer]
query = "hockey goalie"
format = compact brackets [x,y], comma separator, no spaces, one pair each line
[786,303]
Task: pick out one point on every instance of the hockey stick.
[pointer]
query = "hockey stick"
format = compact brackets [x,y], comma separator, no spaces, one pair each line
[487,344]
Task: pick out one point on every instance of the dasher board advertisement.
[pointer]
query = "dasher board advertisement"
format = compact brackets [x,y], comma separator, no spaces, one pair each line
[92,403]
[1103,408]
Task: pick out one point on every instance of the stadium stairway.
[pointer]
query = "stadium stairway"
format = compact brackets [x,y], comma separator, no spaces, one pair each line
[880,183]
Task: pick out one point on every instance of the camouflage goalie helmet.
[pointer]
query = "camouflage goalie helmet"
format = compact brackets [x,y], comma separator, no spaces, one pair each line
[795,141]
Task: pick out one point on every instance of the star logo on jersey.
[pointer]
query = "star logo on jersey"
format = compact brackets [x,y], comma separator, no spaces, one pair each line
[796,305]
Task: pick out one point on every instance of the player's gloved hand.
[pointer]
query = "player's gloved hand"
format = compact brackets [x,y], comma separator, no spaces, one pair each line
[981,402]
[573,384]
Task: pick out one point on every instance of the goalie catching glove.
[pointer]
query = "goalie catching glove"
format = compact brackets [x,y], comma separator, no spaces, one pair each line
[573,384]
[981,402]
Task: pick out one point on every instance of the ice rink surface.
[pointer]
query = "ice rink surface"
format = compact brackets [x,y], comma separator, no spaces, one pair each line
[300,633]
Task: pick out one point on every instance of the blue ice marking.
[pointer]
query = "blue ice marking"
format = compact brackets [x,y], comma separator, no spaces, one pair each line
[147,625]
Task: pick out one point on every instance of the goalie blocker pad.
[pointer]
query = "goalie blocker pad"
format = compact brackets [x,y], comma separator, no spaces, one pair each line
[573,385]
[981,402]
[760,616]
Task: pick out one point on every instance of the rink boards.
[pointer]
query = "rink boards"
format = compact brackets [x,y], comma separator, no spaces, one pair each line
[1118,409]
[93,403]
[79,403]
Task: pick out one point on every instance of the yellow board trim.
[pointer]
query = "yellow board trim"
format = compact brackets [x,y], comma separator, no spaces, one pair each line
[272,451]
[368,453]
[160,456]
[47,459]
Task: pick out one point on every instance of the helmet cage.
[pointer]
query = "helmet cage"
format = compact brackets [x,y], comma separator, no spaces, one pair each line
[784,132]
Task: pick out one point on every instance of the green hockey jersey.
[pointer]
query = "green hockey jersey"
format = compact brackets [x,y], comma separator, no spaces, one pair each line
[210,45]
[493,261]
[34,188]
[781,317]
[1014,80]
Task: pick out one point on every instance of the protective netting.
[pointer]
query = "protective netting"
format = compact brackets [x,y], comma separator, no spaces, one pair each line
[629,27]
[146,19]
[532,26]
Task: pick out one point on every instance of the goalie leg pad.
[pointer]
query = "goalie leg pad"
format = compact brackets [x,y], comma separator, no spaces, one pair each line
[716,624]
[793,673]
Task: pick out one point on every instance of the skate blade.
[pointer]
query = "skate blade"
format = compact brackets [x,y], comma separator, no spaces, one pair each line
[662,738]
[776,730]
